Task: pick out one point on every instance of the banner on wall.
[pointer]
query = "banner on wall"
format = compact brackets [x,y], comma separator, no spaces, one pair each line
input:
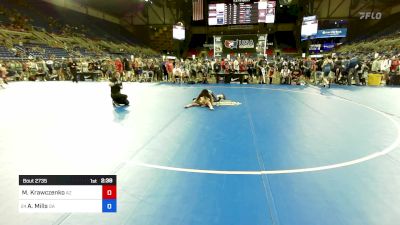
[329,33]
[315,47]
[239,43]
[328,46]
[236,44]
[217,46]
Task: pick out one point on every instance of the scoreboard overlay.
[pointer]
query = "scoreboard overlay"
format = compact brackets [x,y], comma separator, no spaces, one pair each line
[67,193]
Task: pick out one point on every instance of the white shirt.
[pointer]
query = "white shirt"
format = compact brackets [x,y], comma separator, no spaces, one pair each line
[236,65]
[177,71]
[85,67]
[285,72]
[376,65]
[385,65]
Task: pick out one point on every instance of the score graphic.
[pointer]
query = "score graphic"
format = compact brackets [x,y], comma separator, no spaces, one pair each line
[109,198]
[68,193]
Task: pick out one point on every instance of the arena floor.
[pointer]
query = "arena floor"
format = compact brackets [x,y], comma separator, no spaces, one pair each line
[288,155]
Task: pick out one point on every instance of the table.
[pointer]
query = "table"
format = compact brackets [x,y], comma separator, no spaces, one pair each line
[228,76]
[89,75]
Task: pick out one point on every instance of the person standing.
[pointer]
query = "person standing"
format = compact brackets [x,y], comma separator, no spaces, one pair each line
[337,69]
[127,68]
[352,71]
[170,70]
[217,69]
[73,69]
[3,75]
[314,70]
[236,65]
[376,65]
[250,68]
[394,67]
[164,70]
[119,67]
[285,75]
[327,67]
[364,73]
[385,68]
[260,67]
[49,65]
[307,66]
[271,72]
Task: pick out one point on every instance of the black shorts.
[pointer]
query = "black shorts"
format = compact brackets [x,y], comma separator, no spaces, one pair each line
[120,98]
[307,73]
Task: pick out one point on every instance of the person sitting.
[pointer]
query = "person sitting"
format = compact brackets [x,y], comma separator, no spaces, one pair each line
[296,76]
[206,98]
[116,86]
[271,72]
[178,73]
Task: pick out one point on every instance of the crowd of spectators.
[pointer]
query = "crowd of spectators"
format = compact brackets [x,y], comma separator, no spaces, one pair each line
[13,20]
[341,69]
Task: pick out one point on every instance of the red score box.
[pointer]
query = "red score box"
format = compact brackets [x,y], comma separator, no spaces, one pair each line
[109,192]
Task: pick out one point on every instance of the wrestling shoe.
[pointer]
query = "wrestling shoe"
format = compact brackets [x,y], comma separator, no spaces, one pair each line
[221,97]
[116,104]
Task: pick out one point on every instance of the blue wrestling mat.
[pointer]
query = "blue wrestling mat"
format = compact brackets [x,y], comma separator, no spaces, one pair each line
[287,155]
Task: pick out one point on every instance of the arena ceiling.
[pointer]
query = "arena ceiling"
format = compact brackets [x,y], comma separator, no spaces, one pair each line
[357,2]
[114,7]
[120,8]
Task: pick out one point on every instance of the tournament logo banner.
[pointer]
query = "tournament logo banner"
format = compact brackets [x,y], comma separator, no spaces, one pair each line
[239,43]
[330,33]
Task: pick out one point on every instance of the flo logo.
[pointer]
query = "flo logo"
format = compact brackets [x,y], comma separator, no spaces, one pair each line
[231,44]
[370,15]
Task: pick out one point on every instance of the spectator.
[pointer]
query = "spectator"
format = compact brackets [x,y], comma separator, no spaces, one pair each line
[285,75]
[119,66]
[327,67]
[3,75]
[353,65]
[170,69]
[307,66]
[128,68]
[72,65]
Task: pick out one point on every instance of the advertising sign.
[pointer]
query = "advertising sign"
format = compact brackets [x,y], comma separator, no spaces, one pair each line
[239,43]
